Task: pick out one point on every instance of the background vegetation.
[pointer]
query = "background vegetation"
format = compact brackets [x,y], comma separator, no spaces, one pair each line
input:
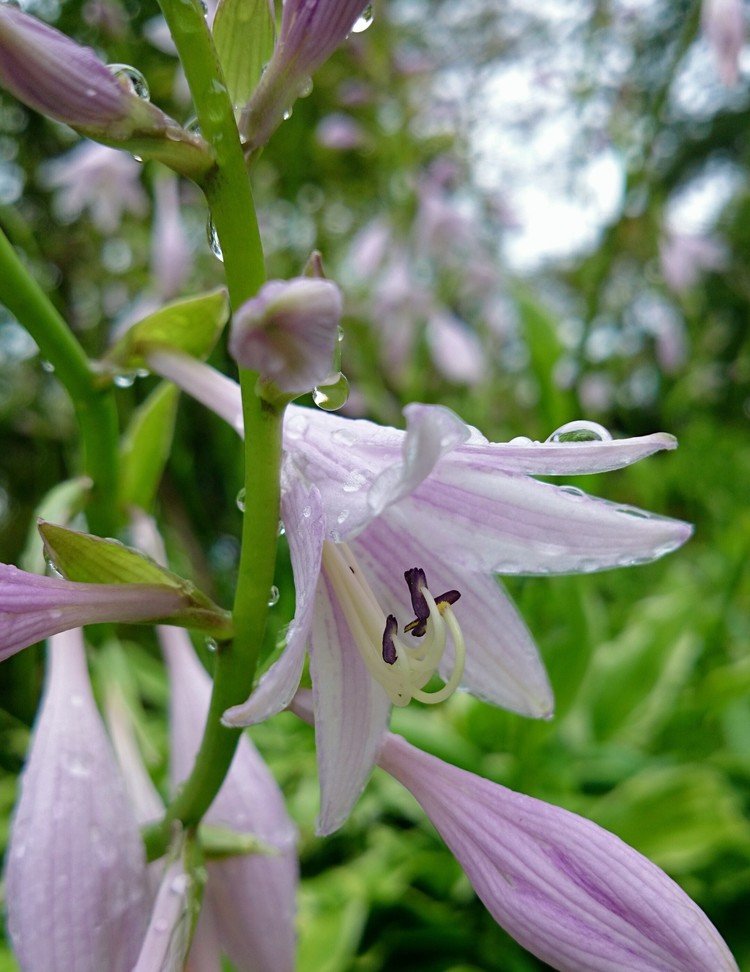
[536,216]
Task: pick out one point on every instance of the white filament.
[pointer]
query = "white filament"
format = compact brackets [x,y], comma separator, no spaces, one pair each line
[415,665]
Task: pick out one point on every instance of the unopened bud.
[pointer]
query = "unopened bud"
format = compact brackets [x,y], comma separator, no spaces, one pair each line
[288,333]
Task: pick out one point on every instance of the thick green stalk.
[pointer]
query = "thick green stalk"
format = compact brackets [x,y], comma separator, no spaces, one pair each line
[94,405]
[227,190]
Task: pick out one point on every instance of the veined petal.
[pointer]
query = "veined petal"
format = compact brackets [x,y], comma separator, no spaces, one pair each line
[515,525]
[33,607]
[76,876]
[202,382]
[561,458]
[302,511]
[168,934]
[567,890]
[351,712]
[252,897]
[502,663]
[432,432]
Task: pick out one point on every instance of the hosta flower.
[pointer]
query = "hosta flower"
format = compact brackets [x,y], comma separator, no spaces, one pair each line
[288,333]
[311,30]
[566,889]
[76,889]
[387,527]
[34,607]
[250,898]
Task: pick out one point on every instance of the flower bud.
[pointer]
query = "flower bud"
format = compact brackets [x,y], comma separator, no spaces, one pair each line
[288,333]
[311,30]
[54,75]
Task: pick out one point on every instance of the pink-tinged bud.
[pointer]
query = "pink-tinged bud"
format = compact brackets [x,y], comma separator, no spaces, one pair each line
[570,892]
[311,30]
[77,895]
[723,25]
[54,75]
[288,333]
[34,607]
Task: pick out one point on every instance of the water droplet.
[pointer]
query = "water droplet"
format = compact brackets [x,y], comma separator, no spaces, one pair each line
[580,431]
[204,7]
[47,366]
[281,529]
[364,20]
[273,596]
[343,516]
[287,114]
[340,334]
[240,500]
[193,126]
[132,78]
[52,567]
[354,481]
[307,512]
[77,765]
[333,395]
[635,512]
[213,240]
[305,89]
[520,440]
[212,645]
[125,380]
[572,490]
[161,925]
[76,701]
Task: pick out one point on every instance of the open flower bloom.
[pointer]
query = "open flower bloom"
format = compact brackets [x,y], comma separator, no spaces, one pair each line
[77,895]
[34,607]
[249,899]
[566,889]
[388,528]
[311,30]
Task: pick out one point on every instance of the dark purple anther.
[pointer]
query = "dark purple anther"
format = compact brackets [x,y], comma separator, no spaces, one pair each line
[389,647]
[416,580]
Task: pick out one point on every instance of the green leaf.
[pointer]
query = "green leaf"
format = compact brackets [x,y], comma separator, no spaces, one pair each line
[221,842]
[92,560]
[244,34]
[145,447]
[62,502]
[192,326]
[556,406]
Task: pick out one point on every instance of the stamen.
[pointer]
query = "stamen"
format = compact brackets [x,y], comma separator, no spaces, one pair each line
[402,668]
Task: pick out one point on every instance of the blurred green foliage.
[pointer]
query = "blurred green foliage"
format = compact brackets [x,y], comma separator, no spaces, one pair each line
[650,665]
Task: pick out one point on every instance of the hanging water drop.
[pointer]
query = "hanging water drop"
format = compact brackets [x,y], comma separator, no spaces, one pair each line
[364,20]
[132,78]
[47,366]
[305,88]
[580,431]
[51,567]
[281,529]
[212,645]
[240,501]
[213,240]
[287,114]
[333,395]
[125,380]
[340,334]
[273,596]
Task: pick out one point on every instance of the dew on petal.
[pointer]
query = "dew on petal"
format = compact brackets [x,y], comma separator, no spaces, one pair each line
[580,430]
[364,20]
[133,79]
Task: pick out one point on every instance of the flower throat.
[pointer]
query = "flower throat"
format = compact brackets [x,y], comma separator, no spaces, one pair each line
[402,666]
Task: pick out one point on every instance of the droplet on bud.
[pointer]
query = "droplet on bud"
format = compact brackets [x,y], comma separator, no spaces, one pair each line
[211,645]
[273,596]
[333,395]
[133,79]
[580,431]
[364,20]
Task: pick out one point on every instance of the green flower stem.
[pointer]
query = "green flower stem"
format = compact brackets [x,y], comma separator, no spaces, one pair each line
[227,190]
[94,405]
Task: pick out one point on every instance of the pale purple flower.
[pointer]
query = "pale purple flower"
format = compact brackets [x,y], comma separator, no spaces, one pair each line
[251,898]
[566,889]
[52,74]
[171,257]
[76,888]
[723,23]
[288,333]
[97,179]
[684,258]
[167,937]
[34,607]
[311,30]
[363,505]
[456,349]
[340,132]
